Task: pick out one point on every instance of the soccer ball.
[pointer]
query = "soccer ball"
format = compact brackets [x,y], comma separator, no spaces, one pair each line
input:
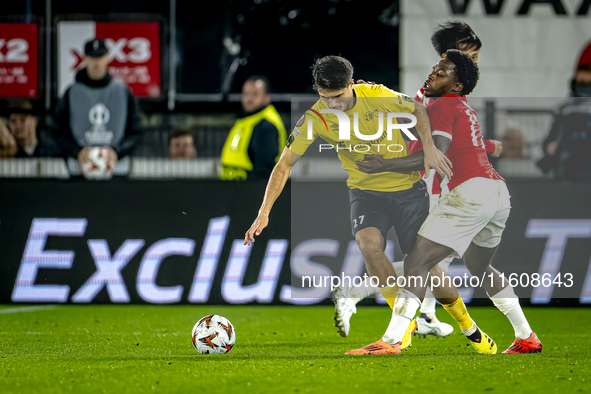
[98,167]
[213,334]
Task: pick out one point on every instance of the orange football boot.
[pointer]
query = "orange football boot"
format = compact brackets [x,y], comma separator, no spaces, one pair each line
[377,348]
[529,345]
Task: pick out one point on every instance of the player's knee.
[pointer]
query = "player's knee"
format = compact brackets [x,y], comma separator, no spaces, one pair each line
[371,252]
[371,247]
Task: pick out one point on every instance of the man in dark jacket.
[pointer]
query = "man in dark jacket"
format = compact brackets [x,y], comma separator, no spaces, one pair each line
[97,111]
[567,148]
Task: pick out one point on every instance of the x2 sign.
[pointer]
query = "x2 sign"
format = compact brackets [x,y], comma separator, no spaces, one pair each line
[18,59]
[134,51]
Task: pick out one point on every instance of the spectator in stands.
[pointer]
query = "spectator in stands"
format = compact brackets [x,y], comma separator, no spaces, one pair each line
[257,138]
[8,145]
[182,145]
[567,148]
[20,138]
[97,111]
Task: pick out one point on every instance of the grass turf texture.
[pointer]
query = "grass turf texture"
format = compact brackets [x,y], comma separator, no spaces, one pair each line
[279,349]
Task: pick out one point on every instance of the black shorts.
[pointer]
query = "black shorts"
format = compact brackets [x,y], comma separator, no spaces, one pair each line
[406,210]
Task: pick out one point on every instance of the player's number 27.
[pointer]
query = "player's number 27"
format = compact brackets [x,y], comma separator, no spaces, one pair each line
[355,224]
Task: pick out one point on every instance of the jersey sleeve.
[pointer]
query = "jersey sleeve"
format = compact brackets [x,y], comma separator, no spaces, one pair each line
[299,140]
[441,117]
[420,95]
[490,146]
[397,102]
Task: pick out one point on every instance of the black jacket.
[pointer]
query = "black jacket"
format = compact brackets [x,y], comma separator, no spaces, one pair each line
[263,149]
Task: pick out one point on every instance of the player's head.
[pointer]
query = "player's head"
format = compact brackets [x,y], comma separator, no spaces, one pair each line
[456,73]
[256,93]
[456,35]
[333,80]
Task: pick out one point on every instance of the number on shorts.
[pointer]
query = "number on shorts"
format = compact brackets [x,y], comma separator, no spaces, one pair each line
[355,224]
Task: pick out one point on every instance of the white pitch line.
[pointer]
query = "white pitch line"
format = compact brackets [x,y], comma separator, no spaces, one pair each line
[26,309]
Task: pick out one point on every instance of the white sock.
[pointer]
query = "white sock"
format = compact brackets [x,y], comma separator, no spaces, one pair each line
[507,302]
[428,305]
[405,309]
[470,330]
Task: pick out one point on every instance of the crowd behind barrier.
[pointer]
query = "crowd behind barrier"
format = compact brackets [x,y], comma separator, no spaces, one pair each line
[522,131]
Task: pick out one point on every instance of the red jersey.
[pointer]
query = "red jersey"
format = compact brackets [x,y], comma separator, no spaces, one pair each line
[451,116]
[415,146]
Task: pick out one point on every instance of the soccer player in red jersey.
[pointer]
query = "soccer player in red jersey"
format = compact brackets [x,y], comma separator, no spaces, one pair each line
[468,221]
[450,35]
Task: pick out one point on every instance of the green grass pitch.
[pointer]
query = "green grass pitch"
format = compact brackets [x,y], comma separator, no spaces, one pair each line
[147,349]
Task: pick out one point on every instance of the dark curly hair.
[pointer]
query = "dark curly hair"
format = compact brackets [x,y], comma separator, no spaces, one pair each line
[466,69]
[332,73]
[451,34]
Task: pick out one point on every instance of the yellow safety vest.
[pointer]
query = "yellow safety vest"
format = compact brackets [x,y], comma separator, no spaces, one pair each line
[235,160]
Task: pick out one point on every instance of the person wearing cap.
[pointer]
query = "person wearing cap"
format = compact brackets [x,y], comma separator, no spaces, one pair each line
[97,111]
[567,149]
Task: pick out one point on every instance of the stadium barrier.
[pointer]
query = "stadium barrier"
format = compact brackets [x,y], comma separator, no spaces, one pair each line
[181,242]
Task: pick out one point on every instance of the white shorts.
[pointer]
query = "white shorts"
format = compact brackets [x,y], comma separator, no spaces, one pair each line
[475,211]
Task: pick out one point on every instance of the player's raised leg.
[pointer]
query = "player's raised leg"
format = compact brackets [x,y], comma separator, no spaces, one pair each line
[408,300]
[346,299]
[425,254]
[371,243]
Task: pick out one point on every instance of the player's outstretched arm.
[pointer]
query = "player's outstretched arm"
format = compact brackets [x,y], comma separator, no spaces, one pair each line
[275,186]
[372,164]
[434,158]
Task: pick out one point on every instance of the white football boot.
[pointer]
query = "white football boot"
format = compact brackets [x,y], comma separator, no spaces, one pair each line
[435,328]
[344,307]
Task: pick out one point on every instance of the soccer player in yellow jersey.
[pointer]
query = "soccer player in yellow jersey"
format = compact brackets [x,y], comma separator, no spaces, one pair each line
[378,201]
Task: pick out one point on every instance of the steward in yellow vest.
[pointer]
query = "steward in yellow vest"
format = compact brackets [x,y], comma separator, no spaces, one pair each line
[253,146]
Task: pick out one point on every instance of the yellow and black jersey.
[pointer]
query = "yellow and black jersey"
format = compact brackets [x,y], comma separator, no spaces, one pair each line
[371,100]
